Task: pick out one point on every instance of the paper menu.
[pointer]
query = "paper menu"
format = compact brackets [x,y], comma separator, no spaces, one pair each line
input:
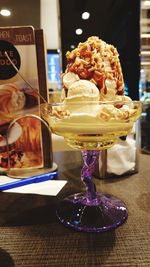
[17,99]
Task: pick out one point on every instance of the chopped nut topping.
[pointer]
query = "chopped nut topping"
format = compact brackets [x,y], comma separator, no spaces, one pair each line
[88,61]
[59,112]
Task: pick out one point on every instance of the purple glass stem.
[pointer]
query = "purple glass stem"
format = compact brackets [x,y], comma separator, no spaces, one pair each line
[90,159]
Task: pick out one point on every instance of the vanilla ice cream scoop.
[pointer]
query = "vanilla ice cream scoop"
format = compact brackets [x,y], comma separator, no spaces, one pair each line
[69,78]
[82,91]
[85,89]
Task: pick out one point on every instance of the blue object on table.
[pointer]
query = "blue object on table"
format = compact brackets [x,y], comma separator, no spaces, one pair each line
[34,179]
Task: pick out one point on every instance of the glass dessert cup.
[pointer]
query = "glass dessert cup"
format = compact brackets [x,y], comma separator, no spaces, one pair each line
[90,127]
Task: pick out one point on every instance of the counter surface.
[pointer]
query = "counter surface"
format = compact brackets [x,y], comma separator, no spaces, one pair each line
[30,234]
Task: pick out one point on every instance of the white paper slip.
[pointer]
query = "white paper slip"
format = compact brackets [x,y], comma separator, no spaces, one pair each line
[50,187]
[5,179]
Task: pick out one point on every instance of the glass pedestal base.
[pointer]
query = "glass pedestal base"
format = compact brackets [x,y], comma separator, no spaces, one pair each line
[101,214]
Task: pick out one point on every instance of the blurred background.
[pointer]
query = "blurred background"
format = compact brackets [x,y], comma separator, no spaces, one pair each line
[123,23]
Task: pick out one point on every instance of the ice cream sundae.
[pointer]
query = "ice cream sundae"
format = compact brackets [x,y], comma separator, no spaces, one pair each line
[92,114]
[93,108]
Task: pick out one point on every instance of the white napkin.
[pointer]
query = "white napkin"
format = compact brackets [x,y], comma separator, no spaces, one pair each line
[122,156]
[50,187]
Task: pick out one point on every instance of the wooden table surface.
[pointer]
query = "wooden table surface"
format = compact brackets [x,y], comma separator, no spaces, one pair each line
[30,234]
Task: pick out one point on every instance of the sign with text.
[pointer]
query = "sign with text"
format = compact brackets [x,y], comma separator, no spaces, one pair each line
[17,99]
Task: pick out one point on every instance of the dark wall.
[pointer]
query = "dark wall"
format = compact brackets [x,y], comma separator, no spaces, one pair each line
[114,21]
[23,13]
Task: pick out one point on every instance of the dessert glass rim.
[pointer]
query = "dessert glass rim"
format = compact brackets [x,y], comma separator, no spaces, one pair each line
[113,102]
[92,102]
